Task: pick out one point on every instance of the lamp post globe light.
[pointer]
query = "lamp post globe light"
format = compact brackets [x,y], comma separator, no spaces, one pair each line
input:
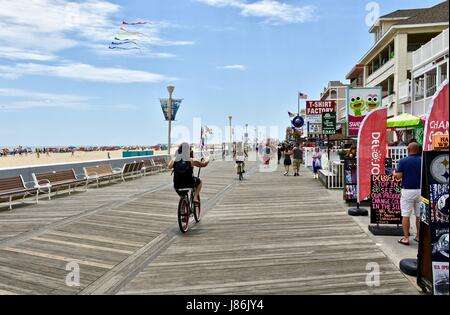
[170,89]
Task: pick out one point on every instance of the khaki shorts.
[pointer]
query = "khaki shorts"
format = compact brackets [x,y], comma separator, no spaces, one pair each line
[410,201]
[297,164]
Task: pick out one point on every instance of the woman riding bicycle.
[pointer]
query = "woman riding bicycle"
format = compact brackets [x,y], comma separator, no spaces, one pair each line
[240,157]
[183,165]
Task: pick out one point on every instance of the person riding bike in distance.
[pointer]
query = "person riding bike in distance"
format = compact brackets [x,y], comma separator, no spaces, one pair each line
[240,157]
[183,169]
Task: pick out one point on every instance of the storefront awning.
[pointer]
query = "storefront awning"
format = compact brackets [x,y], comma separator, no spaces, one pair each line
[404,121]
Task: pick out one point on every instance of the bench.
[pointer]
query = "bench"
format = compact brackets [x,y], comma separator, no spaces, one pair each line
[150,166]
[15,187]
[161,163]
[57,179]
[131,169]
[99,172]
[325,177]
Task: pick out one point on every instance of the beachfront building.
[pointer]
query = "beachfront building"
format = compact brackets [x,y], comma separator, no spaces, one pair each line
[389,61]
[429,69]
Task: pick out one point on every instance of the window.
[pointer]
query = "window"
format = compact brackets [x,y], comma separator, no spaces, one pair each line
[333,94]
[431,83]
[419,88]
[443,73]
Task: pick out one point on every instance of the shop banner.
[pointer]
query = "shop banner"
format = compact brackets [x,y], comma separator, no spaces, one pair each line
[371,150]
[329,123]
[165,107]
[437,118]
[361,101]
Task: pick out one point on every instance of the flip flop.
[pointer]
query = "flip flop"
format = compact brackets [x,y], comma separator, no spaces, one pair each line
[416,240]
[400,241]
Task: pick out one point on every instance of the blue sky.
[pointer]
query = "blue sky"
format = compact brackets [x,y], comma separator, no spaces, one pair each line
[61,85]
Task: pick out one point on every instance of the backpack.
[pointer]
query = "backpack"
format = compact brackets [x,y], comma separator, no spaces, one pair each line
[182,174]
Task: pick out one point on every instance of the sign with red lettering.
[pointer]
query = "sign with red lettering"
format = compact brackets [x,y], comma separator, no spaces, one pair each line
[371,150]
[320,107]
[386,192]
[437,121]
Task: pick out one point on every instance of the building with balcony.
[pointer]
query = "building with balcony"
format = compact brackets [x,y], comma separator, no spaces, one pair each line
[336,91]
[389,61]
[429,69]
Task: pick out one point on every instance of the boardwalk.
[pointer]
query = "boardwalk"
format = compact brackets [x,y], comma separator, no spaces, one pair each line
[257,237]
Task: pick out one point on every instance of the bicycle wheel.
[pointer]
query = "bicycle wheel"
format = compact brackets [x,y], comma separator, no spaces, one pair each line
[183,215]
[197,210]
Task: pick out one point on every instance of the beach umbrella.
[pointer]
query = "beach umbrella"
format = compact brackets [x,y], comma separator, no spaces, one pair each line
[404,121]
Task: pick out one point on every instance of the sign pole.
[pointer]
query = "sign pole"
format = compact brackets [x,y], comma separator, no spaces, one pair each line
[328,145]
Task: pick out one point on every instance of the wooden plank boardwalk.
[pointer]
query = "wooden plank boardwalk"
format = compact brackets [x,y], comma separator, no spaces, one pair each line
[267,235]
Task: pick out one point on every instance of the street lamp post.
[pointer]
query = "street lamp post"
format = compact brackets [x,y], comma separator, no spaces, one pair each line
[170,89]
[231,139]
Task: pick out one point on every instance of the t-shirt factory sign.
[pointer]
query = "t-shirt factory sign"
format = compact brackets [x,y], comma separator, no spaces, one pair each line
[320,107]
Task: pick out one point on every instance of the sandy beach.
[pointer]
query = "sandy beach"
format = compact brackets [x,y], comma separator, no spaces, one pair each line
[55,158]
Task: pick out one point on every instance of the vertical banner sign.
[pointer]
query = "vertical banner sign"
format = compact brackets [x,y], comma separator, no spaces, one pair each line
[437,119]
[329,123]
[371,150]
[385,200]
[165,107]
[360,102]
[419,134]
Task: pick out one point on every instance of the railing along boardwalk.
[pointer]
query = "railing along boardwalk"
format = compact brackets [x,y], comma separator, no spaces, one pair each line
[268,234]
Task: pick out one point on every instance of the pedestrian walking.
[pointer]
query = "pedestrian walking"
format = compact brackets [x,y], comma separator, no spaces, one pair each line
[287,159]
[409,170]
[279,152]
[317,162]
[298,157]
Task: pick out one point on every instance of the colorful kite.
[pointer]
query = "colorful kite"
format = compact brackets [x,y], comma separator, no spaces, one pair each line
[135,23]
[126,39]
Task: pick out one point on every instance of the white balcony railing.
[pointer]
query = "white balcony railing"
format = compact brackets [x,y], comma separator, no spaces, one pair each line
[388,100]
[374,75]
[431,50]
[404,91]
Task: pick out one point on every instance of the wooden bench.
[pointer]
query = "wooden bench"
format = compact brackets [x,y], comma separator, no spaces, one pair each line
[57,179]
[161,163]
[325,176]
[150,166]
[132,169]
[99,172]
[15,187]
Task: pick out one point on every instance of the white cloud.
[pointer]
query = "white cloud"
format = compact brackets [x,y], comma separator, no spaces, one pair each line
[275,12]
[52,25]
[79,71]
[234,67]
[39,29]
[16,99]
[20,54]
